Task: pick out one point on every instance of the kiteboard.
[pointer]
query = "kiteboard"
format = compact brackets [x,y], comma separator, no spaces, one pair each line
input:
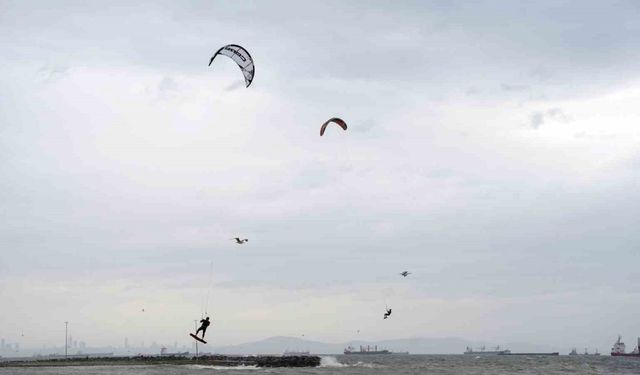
[197,338]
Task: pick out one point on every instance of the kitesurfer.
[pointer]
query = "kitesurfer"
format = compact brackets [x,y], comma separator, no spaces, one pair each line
[387,314]
[203,327]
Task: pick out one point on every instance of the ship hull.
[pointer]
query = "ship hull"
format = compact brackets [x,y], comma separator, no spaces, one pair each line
[368,353]
[487,353]
[625,354]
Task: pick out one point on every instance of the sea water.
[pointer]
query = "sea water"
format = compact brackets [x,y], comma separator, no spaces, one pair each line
[382,365]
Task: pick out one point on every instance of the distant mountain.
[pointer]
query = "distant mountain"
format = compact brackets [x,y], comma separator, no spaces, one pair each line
[277,345]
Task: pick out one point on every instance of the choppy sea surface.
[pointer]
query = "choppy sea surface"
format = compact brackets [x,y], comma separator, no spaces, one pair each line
[382,365]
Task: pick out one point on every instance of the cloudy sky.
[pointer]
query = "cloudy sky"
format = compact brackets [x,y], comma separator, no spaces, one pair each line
[493,151]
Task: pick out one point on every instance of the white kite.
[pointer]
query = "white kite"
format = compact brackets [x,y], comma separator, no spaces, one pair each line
[242,57]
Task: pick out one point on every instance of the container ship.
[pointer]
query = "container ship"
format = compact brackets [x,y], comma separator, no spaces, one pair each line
[619,348]
[482,351]
[365,350]
[497,351]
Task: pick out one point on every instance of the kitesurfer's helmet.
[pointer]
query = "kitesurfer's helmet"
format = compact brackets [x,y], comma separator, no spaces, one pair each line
[207,318]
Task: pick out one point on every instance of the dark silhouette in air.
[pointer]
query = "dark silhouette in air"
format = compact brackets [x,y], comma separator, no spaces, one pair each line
[405,273]
[239,241]
[203,326]
[387,314]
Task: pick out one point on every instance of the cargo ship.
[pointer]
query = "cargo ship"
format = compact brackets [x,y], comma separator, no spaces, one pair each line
[482,351]
[365,350]
[619,349]
[586,352]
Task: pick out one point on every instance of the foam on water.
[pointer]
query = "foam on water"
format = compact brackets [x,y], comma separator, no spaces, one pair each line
[330,361]
[367,365]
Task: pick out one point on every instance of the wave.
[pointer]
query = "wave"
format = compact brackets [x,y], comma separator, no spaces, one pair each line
[330,361]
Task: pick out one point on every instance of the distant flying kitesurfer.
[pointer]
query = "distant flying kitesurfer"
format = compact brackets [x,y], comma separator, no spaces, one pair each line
[405,273]
[387,314]
[203,326]
[239,241]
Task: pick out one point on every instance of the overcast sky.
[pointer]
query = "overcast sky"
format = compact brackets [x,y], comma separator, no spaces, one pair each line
[492,151]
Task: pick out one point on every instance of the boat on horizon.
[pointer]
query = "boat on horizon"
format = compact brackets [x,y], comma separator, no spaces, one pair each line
[619,349]
[365,350]
[482,351]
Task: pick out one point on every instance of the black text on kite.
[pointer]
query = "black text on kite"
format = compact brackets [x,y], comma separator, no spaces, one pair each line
[241,57]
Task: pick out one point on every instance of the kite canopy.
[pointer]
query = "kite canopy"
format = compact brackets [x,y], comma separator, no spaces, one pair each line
[335,120]
[242,57]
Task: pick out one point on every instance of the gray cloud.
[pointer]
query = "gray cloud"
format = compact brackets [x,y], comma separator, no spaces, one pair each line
[473,91]
[367,126]
[51,72]
[514,87]
[539,118]
[438,39]
[234,86]
[167,84]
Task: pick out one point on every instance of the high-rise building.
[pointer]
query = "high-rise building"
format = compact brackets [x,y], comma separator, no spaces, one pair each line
[83,345]
[1,345]
[126,343]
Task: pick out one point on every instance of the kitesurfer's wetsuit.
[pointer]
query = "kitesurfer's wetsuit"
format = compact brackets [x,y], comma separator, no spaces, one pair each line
[203,326]
[387,314]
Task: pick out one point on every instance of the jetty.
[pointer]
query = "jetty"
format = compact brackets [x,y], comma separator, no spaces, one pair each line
[205,360]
